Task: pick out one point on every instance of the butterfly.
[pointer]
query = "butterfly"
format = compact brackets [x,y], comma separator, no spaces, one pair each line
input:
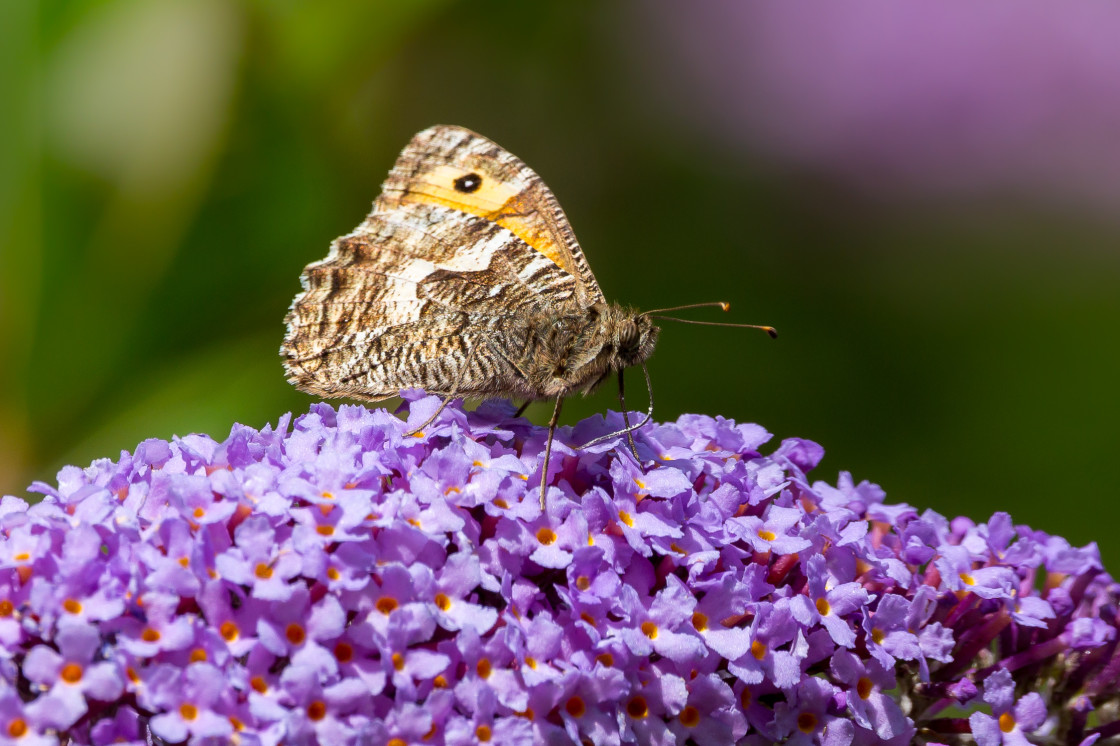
[466,280]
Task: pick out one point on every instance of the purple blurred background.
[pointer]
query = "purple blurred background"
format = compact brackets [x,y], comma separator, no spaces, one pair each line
[955,99]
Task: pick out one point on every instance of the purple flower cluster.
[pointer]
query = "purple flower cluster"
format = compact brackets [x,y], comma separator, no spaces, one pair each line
[340,582]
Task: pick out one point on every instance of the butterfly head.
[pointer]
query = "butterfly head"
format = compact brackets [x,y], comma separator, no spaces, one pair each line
[616,338]
[633,337]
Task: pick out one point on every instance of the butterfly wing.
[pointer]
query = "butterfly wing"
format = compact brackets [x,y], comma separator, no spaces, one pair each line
[434,288]
[506,192]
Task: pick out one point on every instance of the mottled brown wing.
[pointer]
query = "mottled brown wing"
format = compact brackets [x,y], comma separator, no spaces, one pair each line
[433,290]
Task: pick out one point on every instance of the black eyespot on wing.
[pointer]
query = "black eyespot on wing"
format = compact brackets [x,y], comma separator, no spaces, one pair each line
[468,183]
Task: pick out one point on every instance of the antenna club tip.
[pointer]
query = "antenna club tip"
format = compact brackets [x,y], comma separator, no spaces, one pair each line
[725,306]
[771,331]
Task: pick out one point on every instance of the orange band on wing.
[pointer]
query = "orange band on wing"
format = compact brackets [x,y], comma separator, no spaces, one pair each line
[495,201]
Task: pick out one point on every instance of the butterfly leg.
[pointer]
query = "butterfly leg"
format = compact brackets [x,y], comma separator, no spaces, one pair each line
[626,418]
[548,446]
[647,418]
[446,400]
[521,410]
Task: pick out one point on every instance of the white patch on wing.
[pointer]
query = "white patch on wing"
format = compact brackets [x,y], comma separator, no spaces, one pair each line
[400,299]
[477,256]
[401,303]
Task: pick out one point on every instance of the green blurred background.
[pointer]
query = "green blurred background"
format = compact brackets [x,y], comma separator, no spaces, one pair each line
[169,166]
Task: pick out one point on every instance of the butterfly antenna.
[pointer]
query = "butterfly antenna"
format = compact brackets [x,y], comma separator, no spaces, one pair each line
[768,329]
[631,428]
[657,314]
[721,304]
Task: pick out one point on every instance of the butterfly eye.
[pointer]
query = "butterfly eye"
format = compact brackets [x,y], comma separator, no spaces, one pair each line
[628,335]
[468,183]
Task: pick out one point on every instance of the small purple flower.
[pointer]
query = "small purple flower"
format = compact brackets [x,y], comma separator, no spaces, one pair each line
[19,726]
[723,601]
[661,624]
[711,715]
[71,676]
[871,708]
[777,649]
[809,718]
[189,702]
[1011,720]
[888,633]
[333,580]
[828,606]
[770,533]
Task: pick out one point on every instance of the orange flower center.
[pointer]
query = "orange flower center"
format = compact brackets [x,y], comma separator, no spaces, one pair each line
[637,707]
[317,710]
[864,687]
[575,707]
[229,631]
